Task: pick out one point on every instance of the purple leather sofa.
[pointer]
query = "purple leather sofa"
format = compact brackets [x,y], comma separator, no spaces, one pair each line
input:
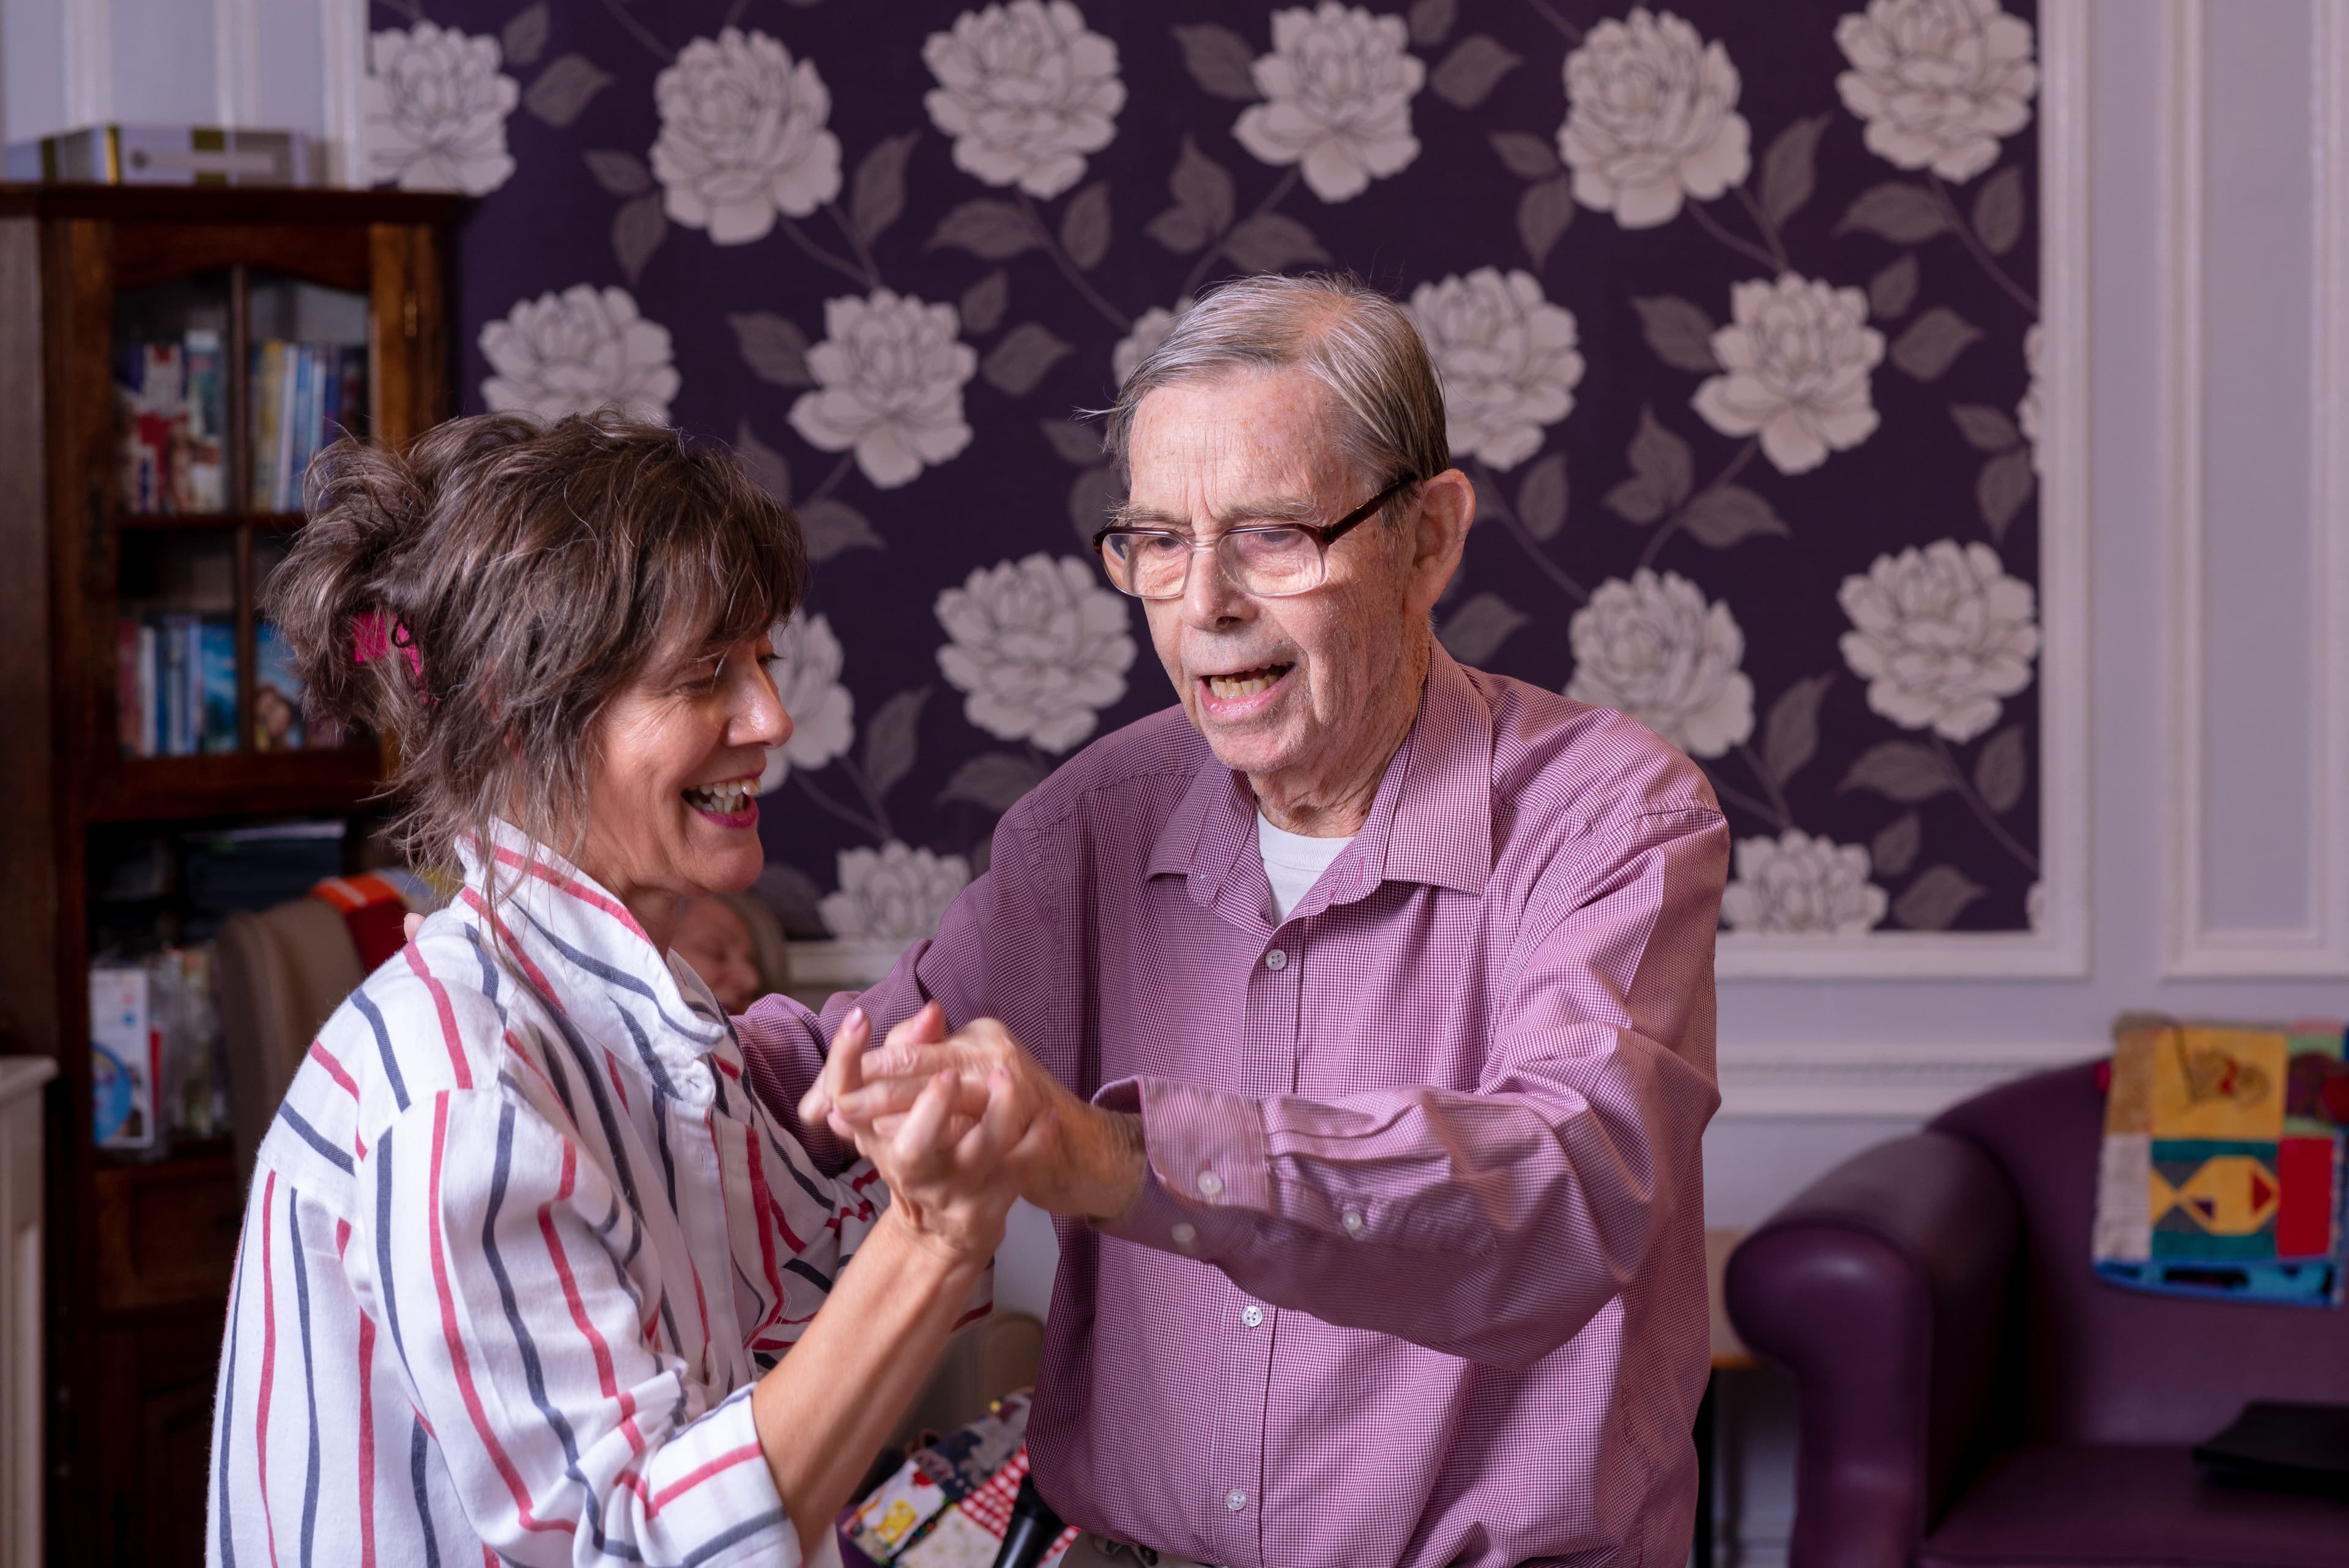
[1971,1394]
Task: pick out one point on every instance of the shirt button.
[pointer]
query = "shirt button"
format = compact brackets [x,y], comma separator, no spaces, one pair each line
[1236,1500]
[1276,959]
[1354,1223]
[1252,1314]
[1185,1236]
[1210,1184]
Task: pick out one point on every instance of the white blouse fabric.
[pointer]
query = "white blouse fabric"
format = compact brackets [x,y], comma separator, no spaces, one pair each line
[517,1246]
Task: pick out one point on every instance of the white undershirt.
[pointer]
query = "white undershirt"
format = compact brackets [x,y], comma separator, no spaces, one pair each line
[1293,863]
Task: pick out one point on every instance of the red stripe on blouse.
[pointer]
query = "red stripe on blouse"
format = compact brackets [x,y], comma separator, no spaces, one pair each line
[455,1339]
[440,1004]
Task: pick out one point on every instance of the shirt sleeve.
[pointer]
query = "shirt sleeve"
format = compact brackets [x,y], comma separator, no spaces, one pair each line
[493,1257]
[1491,1225]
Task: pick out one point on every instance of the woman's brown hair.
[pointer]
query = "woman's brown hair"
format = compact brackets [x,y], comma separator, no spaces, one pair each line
[480,596]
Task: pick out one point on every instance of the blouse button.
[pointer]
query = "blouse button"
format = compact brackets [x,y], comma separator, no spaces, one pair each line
[1276,959]
[1236,1500]
[1354,1226]
[1185,1236]
[1210,1184]
[1251,1315]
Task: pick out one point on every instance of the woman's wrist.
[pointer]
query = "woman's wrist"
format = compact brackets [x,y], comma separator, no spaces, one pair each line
[953,1258]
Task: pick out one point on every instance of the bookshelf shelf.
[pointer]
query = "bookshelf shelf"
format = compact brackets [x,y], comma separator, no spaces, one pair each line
[178,788]
[149,332]
[180,522]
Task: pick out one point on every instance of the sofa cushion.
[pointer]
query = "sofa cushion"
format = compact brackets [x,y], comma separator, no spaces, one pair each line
[2109,1506]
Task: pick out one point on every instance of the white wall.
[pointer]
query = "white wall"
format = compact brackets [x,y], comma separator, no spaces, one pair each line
[67,63]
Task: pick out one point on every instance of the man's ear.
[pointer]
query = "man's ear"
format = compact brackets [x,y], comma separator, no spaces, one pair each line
[1447,506]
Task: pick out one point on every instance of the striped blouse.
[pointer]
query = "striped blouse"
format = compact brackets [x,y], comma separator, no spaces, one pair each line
[512,1262]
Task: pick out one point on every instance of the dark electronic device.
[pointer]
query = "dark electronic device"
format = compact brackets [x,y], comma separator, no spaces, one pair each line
[1034,1527]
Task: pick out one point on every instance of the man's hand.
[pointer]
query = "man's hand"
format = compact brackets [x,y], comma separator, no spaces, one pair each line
[953,1177]
[1090,1162]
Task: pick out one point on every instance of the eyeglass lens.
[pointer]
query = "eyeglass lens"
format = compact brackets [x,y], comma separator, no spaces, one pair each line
[1267,562]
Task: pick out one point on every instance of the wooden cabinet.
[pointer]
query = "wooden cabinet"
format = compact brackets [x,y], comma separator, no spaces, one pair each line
[96,532]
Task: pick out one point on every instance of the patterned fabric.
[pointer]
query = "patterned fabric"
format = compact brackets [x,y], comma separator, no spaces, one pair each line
[1736,307]
[374,907]
[517,1246]
[2223,1160]
[1418,1273]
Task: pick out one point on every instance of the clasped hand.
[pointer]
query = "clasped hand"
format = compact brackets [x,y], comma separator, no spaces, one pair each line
[1073,1158]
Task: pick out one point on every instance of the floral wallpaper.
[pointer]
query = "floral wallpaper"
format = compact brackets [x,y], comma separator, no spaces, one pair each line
[1735,308]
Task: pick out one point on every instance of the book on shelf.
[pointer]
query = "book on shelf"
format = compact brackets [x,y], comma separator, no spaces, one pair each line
[175,684]
[277,724]
[171,410]
[305,396]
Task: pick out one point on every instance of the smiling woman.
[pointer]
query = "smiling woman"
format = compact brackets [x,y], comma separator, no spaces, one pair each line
[577,611]
[521,1255]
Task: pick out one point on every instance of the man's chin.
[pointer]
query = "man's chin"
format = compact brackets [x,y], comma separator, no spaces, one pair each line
[1250,748]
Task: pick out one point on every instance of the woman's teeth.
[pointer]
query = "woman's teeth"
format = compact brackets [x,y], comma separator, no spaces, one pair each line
[1230,687]
[721,799]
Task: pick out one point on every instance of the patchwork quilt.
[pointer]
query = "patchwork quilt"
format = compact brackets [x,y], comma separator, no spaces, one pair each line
[2223,1163]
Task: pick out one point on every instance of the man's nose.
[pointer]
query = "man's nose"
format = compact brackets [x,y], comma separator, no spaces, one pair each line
[1210,598]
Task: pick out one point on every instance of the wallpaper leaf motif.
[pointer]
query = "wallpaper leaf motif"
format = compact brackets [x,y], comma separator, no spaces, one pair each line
[1754,436]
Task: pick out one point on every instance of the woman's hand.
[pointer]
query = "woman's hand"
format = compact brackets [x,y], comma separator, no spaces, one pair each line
[958,1156]
[1077,1159]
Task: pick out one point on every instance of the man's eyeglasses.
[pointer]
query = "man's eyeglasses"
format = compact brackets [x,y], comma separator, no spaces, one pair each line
[1267,560]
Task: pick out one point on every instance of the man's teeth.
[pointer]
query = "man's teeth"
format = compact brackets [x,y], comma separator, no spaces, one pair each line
[1230,687]
[720,800]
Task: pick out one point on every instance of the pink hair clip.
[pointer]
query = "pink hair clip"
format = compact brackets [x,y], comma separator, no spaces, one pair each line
[376,632]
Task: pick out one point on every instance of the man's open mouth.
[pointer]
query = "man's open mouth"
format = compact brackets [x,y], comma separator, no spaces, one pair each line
[1246,683]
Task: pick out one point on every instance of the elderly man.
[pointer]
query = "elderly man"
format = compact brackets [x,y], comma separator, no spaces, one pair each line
[1374,999]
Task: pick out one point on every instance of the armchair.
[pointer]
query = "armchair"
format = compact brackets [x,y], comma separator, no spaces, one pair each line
[1970,1393]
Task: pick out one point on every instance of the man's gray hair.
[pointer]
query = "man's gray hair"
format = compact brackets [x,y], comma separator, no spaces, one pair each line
[1348,336]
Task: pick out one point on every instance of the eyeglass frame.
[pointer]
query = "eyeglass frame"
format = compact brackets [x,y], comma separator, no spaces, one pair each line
[1323,535]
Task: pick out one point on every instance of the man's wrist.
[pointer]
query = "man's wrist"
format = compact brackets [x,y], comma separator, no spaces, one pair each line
[1122,1163]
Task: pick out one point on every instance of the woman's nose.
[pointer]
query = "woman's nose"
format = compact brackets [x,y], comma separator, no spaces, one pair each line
[761,720]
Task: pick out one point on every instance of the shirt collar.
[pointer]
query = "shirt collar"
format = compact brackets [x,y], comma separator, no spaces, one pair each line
[583,939]
[1431,821]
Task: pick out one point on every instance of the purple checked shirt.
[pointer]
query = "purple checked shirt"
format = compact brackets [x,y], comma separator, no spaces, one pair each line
[1417,1276]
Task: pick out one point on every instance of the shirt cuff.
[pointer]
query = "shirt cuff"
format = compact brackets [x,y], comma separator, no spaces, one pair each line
[1207,1177]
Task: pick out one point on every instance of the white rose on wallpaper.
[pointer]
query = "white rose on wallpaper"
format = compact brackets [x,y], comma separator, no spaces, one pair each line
[1794,358]
[1940,635]
[806,673]
[1506,356]
[2028,412]
[1798,886]
[434,106]
[892,894]
[1338,88]
[1937,81]
[572,353]
[1653,649]
[1150,330]
[1026,91]
[1651,120]
[742,137]
[1040,647]
[889,377]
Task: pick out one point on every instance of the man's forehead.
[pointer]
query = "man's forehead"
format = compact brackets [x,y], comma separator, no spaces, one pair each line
[1271,428]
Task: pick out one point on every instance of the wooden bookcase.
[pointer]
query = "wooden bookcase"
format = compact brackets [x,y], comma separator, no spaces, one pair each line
[141,1251]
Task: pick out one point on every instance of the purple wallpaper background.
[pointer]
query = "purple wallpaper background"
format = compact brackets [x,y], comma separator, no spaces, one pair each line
[1791,524]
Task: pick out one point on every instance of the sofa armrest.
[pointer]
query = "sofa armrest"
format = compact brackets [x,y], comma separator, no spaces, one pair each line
[1883,1288]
